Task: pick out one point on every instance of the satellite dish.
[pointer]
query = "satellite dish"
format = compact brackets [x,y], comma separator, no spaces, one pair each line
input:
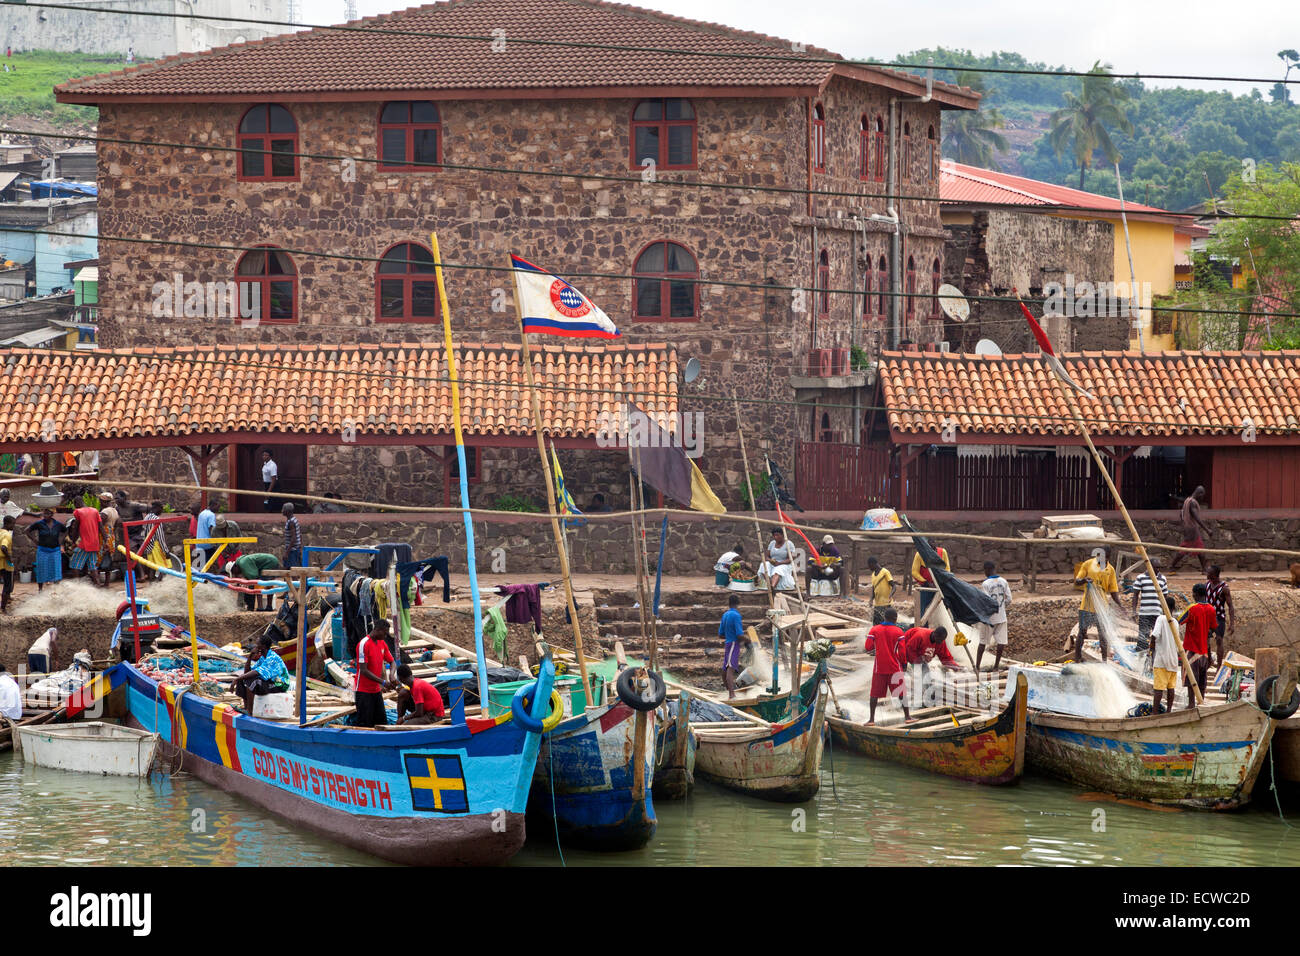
[953,303]
[987,347]
[692,370]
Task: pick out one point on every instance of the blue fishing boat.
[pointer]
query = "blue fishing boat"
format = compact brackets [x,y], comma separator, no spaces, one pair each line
[446,794]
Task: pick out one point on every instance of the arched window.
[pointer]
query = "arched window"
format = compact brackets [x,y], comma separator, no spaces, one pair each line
[826,434]
[410,135]
[664,290]
[882,285]
[936,280]
[268,285]
[907,153]
[823,284]
[882,147]
[868,299]
[864,148]
[911,288]
[819,139]
[405,287]
[268,145]
[663,130]
[934,154]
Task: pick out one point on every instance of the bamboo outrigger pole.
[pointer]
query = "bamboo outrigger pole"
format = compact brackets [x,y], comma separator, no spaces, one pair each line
[550,494]
[464,477]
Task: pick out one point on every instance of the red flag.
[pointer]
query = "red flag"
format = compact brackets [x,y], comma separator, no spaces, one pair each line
[1045,344]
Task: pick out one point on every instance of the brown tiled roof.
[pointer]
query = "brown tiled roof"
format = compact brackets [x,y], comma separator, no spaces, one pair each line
[310,390]
[1149,396]
[324,61]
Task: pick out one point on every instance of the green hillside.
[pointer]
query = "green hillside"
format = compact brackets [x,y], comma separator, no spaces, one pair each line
[1180,138]
[28,90]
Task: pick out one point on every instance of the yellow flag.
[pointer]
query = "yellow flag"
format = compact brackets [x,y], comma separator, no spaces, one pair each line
[702,496]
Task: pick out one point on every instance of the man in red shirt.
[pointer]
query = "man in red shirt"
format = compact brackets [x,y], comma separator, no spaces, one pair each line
[920,646]
[887,677]
[419,697]
[373,660]
[85,555]
[1199,621]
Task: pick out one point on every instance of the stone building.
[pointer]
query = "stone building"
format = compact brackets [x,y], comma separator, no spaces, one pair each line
[790,212]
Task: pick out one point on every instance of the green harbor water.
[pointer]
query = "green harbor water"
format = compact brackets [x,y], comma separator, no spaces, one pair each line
[875,813]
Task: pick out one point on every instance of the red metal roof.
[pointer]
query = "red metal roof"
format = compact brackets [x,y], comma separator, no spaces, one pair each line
[970,185]
[327,63]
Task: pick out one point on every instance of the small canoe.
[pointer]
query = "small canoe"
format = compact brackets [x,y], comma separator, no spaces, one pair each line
[780,762]
[90,747]
[960,742]
[675,746]
[776,707]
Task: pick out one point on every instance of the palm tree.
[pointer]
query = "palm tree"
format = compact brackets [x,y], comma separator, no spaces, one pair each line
[1082,124]
[971,136]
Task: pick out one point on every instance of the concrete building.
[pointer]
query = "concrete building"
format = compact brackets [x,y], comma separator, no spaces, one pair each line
[25,27]
[807,259]
[45,234]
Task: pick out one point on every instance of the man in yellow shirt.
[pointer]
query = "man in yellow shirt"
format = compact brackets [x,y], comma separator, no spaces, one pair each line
[1102,577]
[922,577]
[883,586]
[6,562]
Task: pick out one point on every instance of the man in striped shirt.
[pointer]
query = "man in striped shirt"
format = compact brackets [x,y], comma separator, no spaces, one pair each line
[1146,605]
[292,538]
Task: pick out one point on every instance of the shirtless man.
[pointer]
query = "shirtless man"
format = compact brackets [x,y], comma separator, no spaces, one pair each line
[1194,530]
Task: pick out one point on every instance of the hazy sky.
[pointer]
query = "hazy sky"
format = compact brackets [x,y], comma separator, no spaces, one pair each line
[1205,37]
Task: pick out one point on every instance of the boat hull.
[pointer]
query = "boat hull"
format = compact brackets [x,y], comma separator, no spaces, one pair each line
[441,795]
[585,783]
[675,747]
[90,747]
[990,751]
[1204,758]
[782,764]
[1286,750]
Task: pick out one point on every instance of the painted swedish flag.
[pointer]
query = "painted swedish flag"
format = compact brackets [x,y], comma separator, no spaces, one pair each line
[437,783]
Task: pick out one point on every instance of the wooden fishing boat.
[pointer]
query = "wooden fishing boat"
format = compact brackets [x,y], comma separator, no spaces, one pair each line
[90,746]
[450,793]
[780,762]
[774,707]
[960,742]
[675,746]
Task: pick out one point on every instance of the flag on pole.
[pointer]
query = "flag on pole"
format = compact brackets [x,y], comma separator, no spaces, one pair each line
[550,306]
[661,462]
[1045,344]
[562,496]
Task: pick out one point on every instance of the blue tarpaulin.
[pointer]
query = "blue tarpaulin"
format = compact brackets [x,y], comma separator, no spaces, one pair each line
[57,189]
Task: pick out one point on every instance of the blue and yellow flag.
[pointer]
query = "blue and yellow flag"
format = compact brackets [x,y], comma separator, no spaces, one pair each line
[562,496]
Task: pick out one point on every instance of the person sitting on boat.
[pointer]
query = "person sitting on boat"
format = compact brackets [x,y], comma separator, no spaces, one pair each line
[994,633]
[1198,621]
[887,676]
[374,662]
[43,654]
[779,566]
[732,631]
[418,697]
[266,674]
[1164,661]
[11,698]
[922,578]
[722,569]
[1101,575]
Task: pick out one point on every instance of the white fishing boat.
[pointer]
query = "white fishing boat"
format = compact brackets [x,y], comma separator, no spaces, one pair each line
[90,747]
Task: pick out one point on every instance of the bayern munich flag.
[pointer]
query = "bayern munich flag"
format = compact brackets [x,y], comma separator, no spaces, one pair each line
[550,306]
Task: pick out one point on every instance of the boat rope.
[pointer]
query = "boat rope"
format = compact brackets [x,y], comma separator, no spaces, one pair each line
[1272,785]
[830,751]
[555,819]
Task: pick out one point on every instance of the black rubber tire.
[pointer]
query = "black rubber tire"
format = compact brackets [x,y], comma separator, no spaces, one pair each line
[1264,693]
[628,694]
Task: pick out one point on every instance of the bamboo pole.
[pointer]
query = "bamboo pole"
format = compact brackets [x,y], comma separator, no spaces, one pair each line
[636,558]
[550,493]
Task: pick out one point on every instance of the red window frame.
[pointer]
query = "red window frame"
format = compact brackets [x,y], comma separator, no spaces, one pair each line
[819,138]
[910,309]
[662,125]
[882,285]
[823,284]
[882,148]
[665,279]
[906,164]
[934,155]
[265,281]
[864,148]
[936,280]
[409,129]
[264,142]
[868,293]
[401,253]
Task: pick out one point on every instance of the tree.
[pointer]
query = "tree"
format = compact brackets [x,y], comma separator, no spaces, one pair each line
[1083,125]
[971,136]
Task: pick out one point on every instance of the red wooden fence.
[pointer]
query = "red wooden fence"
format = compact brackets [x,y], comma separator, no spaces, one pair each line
[840,477]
